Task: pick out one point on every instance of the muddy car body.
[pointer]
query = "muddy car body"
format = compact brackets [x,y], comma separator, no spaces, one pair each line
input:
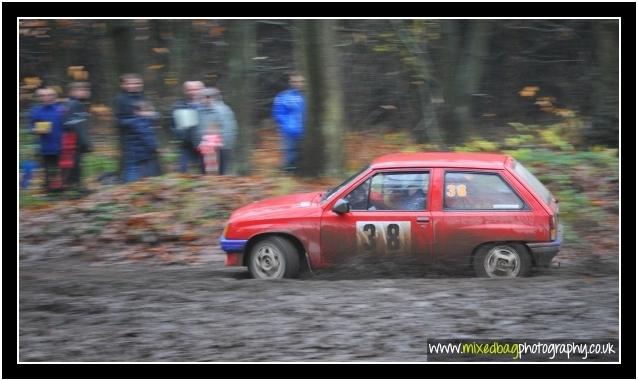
[482,210]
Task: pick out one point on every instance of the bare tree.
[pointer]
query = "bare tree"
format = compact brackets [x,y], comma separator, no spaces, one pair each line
[606,112]
[427,129]
[121,31]
[309,45]
[333,113]
[242,39]
[317,55]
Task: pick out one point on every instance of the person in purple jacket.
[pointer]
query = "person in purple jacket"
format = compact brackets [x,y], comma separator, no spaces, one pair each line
[288,111]
[45,120]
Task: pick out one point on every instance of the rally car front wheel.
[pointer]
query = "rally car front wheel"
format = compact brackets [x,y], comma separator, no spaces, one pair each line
[502,261]
[273,258]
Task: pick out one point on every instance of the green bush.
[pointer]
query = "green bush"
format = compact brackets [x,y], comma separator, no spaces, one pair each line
[479,145]
[95,164]
[556,169]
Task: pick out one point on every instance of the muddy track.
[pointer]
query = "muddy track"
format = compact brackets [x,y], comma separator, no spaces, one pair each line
[73,308]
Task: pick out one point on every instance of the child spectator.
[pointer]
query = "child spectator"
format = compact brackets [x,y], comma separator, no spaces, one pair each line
[46,120]
[140,145]
[186,126]
[212,142]
[75,140]
[218,112]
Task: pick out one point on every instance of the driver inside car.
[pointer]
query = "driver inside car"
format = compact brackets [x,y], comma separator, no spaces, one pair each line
[406,199]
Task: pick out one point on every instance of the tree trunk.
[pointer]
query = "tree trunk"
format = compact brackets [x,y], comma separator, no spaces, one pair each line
[158,57]
[180,53]
[56,73]
[606,119]
[333,113]
[449,60]
[242,40]
[312,147]
[470,73]
[427,130]
[121,31]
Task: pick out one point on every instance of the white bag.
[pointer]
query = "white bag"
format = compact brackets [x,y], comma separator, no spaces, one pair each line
[185,118]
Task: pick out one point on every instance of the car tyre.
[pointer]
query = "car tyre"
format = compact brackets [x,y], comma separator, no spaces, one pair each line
[273,258]
[506,260]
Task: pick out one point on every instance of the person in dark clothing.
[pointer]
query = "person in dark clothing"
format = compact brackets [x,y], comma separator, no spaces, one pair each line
[75,141]
[186,126]
[140,144]
[132,88]
[46,120]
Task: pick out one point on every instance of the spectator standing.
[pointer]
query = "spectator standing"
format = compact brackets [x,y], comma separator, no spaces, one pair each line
[132,88]
[46,120]
[140,144]
[211,140]
[186,126]
[219,114]
[75,141]
[288,112]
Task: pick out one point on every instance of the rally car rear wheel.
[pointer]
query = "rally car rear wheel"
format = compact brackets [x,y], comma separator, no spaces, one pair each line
[273,258]
[502,261]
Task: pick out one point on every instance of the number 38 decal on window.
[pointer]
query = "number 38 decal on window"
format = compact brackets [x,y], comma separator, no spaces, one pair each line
[383,237]
[456,190]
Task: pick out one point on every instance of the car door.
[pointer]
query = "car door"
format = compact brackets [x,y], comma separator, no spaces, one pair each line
[389,216]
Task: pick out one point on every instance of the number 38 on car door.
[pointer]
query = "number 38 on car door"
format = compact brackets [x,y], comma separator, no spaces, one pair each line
[384,237]
[388,216]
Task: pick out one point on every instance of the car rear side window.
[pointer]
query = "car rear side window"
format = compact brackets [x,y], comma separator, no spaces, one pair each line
[479,191]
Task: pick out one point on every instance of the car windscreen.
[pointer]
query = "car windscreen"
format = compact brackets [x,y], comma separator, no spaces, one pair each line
[334,190]
[536,185]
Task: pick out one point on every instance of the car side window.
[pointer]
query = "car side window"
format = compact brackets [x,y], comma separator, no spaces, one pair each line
[399,191]
[479,191]
[358,198]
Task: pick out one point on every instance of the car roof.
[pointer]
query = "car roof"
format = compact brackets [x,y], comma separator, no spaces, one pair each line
[441,159]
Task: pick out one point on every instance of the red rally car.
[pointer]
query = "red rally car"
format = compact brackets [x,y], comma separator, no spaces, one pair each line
[482,210]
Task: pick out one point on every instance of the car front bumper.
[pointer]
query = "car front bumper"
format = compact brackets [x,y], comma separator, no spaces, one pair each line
[234,249]
[544,252]
[232,245]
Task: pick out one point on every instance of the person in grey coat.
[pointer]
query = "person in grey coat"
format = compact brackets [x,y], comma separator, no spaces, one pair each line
[219,114]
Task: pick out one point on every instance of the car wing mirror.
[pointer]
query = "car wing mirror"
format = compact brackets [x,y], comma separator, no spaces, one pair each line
[341,206]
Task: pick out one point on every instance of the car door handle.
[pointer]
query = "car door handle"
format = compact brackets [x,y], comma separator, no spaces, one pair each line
[423,219]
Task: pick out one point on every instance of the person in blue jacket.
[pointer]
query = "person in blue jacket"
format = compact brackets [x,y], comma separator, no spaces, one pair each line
[140,144]
[46,120]
[288,111]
